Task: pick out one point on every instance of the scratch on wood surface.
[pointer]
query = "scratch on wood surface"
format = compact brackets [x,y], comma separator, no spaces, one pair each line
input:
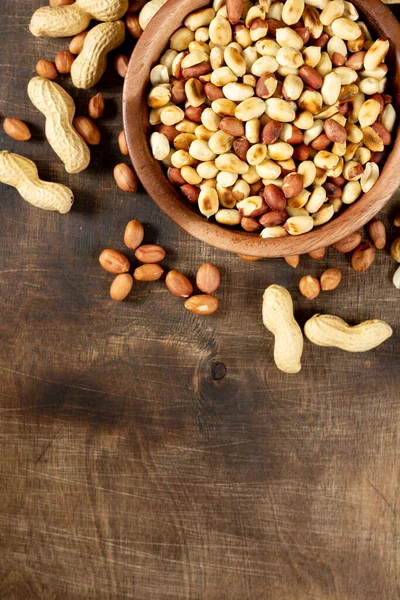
[47,446]
[60,383]
[383,497]
[97,487]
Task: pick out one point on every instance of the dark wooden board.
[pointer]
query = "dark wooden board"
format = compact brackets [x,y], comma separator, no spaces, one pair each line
[147,453]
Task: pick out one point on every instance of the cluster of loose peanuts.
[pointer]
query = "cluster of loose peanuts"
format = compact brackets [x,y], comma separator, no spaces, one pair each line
[150,255]
[272,116]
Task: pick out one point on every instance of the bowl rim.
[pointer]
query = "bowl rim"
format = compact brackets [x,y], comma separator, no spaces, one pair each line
[148,49]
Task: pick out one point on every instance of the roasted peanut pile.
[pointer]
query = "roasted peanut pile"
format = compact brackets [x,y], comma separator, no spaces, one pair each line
[272,116]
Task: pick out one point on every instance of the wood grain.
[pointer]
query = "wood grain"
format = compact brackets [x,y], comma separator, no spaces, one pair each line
[148,454]
[147,53]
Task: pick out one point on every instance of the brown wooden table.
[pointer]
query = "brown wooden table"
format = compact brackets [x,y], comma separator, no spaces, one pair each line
[151,454]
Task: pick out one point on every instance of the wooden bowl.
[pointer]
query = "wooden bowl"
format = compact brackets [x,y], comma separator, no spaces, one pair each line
[148,50]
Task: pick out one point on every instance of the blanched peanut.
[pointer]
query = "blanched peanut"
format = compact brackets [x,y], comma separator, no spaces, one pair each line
[207,170]
[346,75]
[316,200]
[311,101]
[220,142]
[356,105]
[279,110]
[314,58]
[289,57]
[226,198]
[346,29]
[208,183]
[379,73]
[333,10]
[220,31]
[202,34]
[326,160]
[339,148]
[292,11]
[376,54]
[210,119]
[159,145]
[299,201]
[299,225]
[223,107]
[304,120]
[331,88]
[168,58]
[337,171]
[226,179]
[260,66]
[323,215]
[382,85]
[171,115]
[312,21]
[199,18]
[280,151]
[372,140]
[252,130]
[336,46]
[388,117]
[369,112]
[222,76]
[369,86]
[227,216]
[252,108]
[181,39]
[351,191]
[216,57]
[273,232]
[190,175]
[252,177]
[250,79]
[208,202]
[180,158]
[320,176]
[159,96]
[235,61]
[241,190]
[369,177]
[238,92]
[200,150]
[324,66]
[202,133]
[268,170]
[308,170]
[354,133]
[242,35]
[231,163]
[159,74]
[288,165]
[362,155]
[314,131]
[256,154]
[292,87]
[195,92]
